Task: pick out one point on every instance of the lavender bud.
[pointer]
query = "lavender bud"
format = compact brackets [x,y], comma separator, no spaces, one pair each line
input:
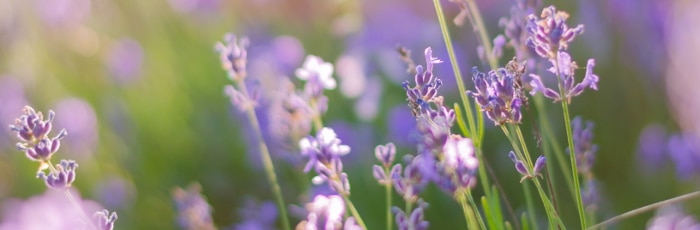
[385,153]
[539,164]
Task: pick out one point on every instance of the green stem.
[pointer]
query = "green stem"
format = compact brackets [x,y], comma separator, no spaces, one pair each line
[469,196]
[548,207]
[316,119]
[483,34]
[388,201]
[354,212]
[572,151]
[72,199]
[267,160]
[647,208]
[551,141]
[530,206]
[468,212]
[462,93]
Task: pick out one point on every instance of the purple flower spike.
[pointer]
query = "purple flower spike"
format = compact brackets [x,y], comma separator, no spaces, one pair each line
[566,73]
[324,153]
[497,94]
[551,33]
[584,148]
[415,221]
[105,220]
[539,164]
[234,56]
[63,177]
[385,153]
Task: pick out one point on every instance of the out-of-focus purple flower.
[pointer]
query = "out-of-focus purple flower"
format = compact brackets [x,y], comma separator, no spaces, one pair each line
[566,73]
[124,60]
[368,105]
[104,220]
[63,12]
[672,218]
[515,29]
[115,192]
[590,196]
[411,181]
[78,116]
[497,95]
[550,33]
[324,153]
[351,72]
[63,177]
[257,216]
[415,221]
[685,153]
[584,148]
[460,159]
[317,74]
[50,210]
[33,130]
[234,56]
[12,99]
[401,126]
[652,146]
[194,6]
[193,210]
[324,212]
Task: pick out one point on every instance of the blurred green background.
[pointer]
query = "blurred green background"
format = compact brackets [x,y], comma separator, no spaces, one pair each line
[139,87]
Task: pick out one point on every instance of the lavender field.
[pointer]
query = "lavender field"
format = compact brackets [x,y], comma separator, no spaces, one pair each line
[349,114]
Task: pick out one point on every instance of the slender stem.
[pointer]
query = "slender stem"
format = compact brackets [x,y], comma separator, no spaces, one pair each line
[647,208]
[548,134]
[388,201]
[483,34]
[469,196]
[318,123]
[523,145]
[530,206]
[267,160]
[468,212]
[354,212]
[554,217]
[572,151]
[72,199]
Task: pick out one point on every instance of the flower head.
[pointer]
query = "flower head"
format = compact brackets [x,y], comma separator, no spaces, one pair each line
[33,131]
[324,153]
[551,33]
[193,210]
[566,73]
[317,74]
[414,221]
[63,177]
[234,56]
[497,95]
[105,220]
[324,212]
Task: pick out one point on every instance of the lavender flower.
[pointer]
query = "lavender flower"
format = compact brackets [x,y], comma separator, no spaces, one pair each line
[584,148]
[50,210]
[234,56]
[652,146]
[79,117]
[683,150]
[124,60]
[426,87]
[257,215]
[522,168]
[385,154]
[325,212]
[566,73]
[193,210]
[415,221]
[550,34]
[62,177]
[415,176]
[497,95]
[590,196]
[324,153]
[33,130]
[516,30]
[317,74]
[460,158]
[105,220]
